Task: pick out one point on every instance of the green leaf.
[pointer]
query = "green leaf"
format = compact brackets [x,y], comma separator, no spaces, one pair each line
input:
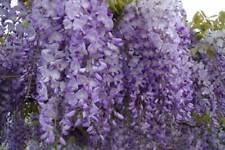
[26,23]
[211,52]
[206,118]
[222,123]
[117,6]
[194,51]
[222,16]
[71,140]
[27,3]
[2,40]
[205,25]
[198,18]
[112,5]
[29,107]
[200,35]
[194,115]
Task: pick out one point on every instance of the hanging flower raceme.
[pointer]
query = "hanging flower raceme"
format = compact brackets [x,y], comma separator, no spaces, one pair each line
[94,76]
[79,73]
[51,65]
[17,133]
[15,64]
[209,81]
[158,66]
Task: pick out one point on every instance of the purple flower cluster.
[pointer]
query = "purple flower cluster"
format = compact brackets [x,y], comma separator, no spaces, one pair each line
[108,82]
[209,97]
[15,67]
[79,78]
[94,76]
[17,134]
[158,71]
[51,65]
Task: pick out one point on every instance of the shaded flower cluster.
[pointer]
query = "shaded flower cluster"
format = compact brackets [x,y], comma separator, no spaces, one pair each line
[51,65]
[209,101]
[158,67]
[15,67]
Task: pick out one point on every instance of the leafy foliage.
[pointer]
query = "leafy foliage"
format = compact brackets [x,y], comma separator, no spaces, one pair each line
[201,24]
[117,6]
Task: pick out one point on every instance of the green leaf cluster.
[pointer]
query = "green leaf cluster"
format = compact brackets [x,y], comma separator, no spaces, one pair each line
[201,23]
[219,23]
[26,23]
[30,107]
[204,118]
[2,40]
[117,6]
[210,51]
[27,4]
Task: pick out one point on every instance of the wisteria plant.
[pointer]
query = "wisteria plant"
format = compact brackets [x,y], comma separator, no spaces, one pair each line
[110,75]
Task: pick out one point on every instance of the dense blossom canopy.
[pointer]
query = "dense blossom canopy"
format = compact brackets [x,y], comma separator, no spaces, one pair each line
[76,75]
